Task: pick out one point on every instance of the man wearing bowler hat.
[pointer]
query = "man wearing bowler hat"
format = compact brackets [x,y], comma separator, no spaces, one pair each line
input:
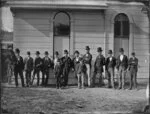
[18,68]
[98,67]
[87,59]
[110,67]
[66,64]
[37,67]
[28,62]
[47,64]
[133,68]
[122,65]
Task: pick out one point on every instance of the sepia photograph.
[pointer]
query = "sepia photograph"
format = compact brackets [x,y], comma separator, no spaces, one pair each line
[74,56]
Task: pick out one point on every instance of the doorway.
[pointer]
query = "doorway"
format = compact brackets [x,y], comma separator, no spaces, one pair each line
[61,32]
[121,34]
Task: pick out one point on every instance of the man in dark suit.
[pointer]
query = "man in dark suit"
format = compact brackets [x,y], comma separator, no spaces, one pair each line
[110,66]
[37,67]
[98,67]
[47,64]
[28,62]
[133,68]
[87,58]
[66,64]
[122,65]
[18,68]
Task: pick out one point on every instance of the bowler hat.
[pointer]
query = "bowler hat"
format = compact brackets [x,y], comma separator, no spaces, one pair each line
[133,53]
[66,51]
[17,50]
[37,53]
[87,48]
[109,51]
[56,53]
[121,50]
[99,49]
[46,52]
[28,53]
[76,52]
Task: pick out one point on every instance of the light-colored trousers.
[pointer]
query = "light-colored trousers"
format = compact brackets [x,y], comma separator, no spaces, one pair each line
[80,80]
[88,73]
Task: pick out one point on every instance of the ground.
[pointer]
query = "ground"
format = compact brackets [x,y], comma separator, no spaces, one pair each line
[71,100]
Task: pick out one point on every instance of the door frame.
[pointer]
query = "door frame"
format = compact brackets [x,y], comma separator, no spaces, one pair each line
[131,33]
[71,34]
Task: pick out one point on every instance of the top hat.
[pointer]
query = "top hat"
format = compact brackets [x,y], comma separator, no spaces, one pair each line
[37,53]
[109,51]
[66,51]
[17,50]
[99,49]
[76,52]
[133,53]
[56,53]
[87,48]
[121,50]
[46,52]
[28,53]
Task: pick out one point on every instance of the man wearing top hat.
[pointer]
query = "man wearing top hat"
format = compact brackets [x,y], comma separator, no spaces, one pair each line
[110,67]
[47,64]
[98,67]
[37,67]
[87,58]
[28,62]
[18,68]
[133,68]
[66,64]
[122,65]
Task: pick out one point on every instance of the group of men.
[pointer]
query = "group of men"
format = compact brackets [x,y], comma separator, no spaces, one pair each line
[81,65]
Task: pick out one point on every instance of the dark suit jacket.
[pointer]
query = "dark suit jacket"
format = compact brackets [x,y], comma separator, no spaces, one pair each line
[38,63]
[47,63]
[87,59]
[28,64]
[133,64]
[110,64]
[66,62]
[123,63]
[19,65]
[99,63]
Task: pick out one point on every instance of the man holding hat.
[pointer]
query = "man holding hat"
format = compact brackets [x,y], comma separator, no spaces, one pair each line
[133,68]
[87,58]
[122,65]
[28,62]
[66,64]
[37,67]
[98,67]
[18,68]
[47,64]
[110,66]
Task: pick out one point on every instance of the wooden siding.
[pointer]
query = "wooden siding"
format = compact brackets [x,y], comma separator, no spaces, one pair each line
[32,32]
[88,30]
[140,31]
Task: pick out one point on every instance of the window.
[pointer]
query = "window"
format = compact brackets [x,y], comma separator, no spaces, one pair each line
[121,27]
[61,24]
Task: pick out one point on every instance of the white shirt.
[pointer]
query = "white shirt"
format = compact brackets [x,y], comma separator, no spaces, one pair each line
[121,57]
[77,58]
[110,58]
